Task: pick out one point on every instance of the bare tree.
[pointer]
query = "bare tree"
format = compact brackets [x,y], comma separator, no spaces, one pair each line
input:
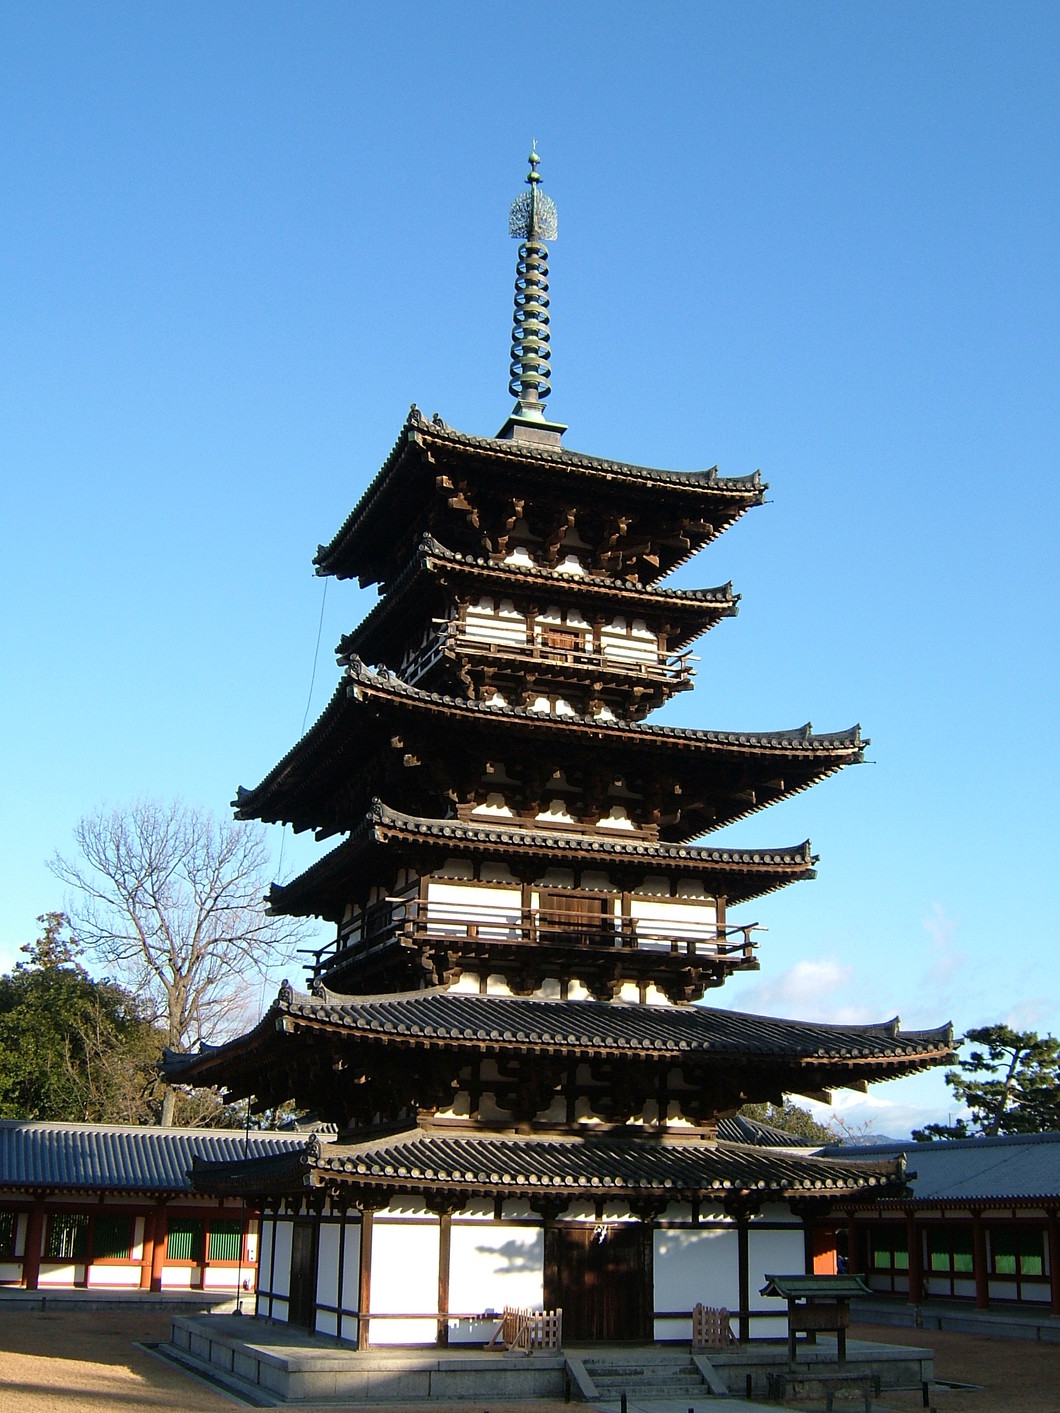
[169,900]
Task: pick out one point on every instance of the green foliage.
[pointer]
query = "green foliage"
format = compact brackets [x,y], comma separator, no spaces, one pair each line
[72,1048]
[792,1118]
[1009,1082]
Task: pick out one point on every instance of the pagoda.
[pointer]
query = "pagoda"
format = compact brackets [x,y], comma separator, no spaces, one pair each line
[533,1109]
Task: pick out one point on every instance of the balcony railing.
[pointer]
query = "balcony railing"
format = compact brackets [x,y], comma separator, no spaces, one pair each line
[434,923]
[552,648]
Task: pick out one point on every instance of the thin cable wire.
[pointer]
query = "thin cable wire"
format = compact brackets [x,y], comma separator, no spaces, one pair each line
[308,703]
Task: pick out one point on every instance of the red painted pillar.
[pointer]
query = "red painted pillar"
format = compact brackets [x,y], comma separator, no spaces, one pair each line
[1054,1261]
[982,1286]
[34,1243]
[916,1273]
[147,1250]
[158,1251]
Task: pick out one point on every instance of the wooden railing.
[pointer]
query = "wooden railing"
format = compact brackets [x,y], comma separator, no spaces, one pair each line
[673,669]
[529,1330]
[425,923]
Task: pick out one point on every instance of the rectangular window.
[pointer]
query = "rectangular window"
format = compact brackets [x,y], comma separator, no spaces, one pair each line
[950,1251]
[226,1241]
[8,1228]
[185,1239]
[67,1237]
[1017,1252]
[888,1249]
[112,1237]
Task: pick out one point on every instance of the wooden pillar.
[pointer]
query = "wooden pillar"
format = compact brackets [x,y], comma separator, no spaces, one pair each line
[745,1281]
[1054,1261]
[916,1277]
[982,1287]
[855,1261]
[147,1249]
[158,1253]
[364,1294]
[445,1232]
[34,1245]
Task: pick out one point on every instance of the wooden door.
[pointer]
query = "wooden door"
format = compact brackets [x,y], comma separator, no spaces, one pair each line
[301,1309]
[601,1278]
[578,918]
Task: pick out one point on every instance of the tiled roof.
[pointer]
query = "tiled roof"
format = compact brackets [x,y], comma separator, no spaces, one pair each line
[804,756]
[121,1158]
[701,606]
[745,873]
[1009,1167]
[416,1160]
[522,457]
[495,1024]
[800,739]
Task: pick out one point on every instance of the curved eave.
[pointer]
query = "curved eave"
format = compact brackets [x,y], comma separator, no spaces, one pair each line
[324,889]
[824,1056]
[290,792]
[475,1166]
[692,612]
[434,442]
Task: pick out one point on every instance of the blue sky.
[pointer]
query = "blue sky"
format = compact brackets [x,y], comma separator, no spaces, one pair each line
[819,240]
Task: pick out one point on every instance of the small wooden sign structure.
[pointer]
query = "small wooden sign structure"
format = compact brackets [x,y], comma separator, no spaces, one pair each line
[817,1303]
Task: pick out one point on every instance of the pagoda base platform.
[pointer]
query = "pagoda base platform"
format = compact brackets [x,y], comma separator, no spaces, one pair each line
[270,1365]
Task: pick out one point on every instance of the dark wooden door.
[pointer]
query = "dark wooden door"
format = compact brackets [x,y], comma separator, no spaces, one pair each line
[601,1277]
[301,1306]
[578,918]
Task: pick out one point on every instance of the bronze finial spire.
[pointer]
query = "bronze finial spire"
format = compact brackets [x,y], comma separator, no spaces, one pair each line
[532,221]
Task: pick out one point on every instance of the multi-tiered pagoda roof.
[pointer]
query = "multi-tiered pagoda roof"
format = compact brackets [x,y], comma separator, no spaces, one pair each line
[523,921]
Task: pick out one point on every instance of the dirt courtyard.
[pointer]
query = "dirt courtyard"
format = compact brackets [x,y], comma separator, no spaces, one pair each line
[86,1361]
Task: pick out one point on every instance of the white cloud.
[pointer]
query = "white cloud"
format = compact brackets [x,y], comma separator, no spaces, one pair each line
[810,990]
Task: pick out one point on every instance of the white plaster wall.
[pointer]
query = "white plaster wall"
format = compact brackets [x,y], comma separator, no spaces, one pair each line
[179,1277]
[484,624]
[21,1228]
[61,1275]
[327,1265]
[773,1253]
[114,1275]
[225,1277]
[494,1266]
[351,1269]
[281,1263]
[267,1228]
[494,908]
[693,1266]
[663,918]
[404,1278]
[10,1273]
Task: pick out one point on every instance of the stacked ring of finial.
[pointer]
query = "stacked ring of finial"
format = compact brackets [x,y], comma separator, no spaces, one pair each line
[530,368]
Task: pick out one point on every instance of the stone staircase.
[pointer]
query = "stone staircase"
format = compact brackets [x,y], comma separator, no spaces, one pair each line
[648,1376]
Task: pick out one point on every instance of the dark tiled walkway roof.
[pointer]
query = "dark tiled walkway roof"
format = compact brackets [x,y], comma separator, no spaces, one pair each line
[121,1158]
[1008,1168]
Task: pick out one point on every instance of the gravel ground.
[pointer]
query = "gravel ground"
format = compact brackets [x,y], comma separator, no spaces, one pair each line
[86,1361]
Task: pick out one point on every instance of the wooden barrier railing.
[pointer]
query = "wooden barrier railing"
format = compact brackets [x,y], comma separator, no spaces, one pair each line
[710,1328]
[529,1330]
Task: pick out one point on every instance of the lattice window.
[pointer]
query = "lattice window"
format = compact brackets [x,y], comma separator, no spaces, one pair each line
[112,1237]
[1017,1251]
[67,1237]
[888,1249]
[950,1250]
[8,1228]
[185,1239]
[225,1241]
